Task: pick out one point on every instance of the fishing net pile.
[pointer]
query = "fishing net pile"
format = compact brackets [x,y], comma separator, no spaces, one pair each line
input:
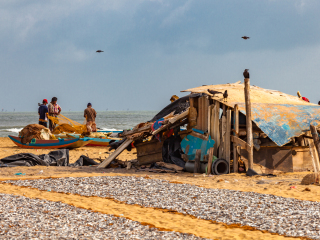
[35,131]
[66,125]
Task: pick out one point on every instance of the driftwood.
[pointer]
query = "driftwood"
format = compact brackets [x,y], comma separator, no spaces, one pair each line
[113,155]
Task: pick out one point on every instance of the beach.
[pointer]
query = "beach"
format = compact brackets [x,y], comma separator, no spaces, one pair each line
[283,185]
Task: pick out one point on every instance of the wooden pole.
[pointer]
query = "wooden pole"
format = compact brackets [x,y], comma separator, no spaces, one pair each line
[227,138]
[315,140]
[236,133]
[211,150]
[248,122]
[197,163]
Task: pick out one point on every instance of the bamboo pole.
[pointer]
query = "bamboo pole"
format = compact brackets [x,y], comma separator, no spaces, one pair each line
[236,133]
[248,121]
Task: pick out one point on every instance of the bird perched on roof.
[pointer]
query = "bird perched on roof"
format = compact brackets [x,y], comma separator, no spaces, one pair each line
[213,92]
[99,51]
[245,37]
[225,96]
[246,73]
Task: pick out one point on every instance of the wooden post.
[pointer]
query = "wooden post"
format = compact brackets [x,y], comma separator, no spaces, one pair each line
[227,137]
[236,133]
[211,150]
[197,163]
[315,138]
[248,122]
[216,133]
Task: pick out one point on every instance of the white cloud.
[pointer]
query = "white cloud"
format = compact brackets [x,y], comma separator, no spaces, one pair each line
[177,14]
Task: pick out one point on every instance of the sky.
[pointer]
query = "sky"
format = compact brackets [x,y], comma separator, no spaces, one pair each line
[152,50]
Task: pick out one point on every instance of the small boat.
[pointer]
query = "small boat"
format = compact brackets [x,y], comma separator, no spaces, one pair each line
[51,144]
[95,142]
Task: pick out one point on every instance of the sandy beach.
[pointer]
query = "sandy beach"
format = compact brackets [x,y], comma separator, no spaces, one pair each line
[283,185]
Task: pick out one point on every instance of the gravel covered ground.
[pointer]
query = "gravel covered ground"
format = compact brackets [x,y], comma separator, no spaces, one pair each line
[25,218]
[285,216]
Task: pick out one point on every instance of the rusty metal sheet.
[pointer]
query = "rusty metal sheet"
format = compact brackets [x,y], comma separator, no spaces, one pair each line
[283,121]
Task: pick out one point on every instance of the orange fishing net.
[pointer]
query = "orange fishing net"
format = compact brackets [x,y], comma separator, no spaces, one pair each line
[66,125]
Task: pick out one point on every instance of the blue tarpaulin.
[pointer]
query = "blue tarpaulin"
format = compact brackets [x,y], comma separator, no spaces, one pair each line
[281,122]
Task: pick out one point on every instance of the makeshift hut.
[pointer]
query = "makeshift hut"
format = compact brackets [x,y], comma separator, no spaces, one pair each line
[281,135]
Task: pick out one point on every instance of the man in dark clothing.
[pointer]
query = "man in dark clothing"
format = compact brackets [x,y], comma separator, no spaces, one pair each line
[90,114]
[43,112]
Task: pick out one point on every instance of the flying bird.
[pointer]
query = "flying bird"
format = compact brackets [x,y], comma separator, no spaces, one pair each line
[213,92]
[246,73]
[225,95]
[99,51]
[245,37]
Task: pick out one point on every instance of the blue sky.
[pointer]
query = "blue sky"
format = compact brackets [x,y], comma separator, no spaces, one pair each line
[152,50]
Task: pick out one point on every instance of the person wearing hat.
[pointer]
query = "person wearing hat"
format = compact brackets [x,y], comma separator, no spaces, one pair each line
[43,112]
[90,114]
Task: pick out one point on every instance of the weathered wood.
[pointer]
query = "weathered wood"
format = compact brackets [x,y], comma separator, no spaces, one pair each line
[113,155]
[313,153]
[240,143]
[315,137]
[172,121]
[248,120]
[222,137]
[142,129]
[227,138]
[197,163]
[204,137]
[211,150]
[216,133]
[236,132]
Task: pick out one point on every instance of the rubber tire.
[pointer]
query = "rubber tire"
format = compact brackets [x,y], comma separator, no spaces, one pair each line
[220,166]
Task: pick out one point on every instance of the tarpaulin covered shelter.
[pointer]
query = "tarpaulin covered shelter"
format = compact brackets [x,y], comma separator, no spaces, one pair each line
[276,116]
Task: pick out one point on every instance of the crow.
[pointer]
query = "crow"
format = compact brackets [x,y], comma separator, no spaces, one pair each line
[213,92]
[246,73]
[99,51]
[245,37]
[225,95]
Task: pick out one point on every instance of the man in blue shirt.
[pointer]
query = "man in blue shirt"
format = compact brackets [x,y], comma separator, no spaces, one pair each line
[43,111]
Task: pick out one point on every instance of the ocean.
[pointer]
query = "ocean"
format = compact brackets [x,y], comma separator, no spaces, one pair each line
[12,123]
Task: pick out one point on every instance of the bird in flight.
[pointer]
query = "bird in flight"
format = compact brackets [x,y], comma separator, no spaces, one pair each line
[99,51]
[225,96]
[246,73]
[245,37]
[213,92]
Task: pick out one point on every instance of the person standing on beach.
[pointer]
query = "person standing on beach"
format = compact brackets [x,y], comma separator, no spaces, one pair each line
[90,114]
[43,112]
[54,111]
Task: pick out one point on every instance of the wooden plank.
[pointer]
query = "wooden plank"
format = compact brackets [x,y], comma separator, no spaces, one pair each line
[240,143]
[199,135]
[216,133]
[142,129]
[227,137]
[172,121]
[197,164]
[222,137]
[236,129]
[248,120]
[113,155]
[211,150]
[315,137]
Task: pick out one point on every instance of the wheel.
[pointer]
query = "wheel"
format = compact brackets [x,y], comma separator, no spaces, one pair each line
[220,166]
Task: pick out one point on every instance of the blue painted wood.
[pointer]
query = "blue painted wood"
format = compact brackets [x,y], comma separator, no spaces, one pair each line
[195,144]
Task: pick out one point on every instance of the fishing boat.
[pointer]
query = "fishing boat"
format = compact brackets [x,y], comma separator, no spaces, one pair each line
[95,142]
[51,144]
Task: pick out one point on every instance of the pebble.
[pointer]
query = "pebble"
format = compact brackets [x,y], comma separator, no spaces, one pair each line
[285,216]
[25,218]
